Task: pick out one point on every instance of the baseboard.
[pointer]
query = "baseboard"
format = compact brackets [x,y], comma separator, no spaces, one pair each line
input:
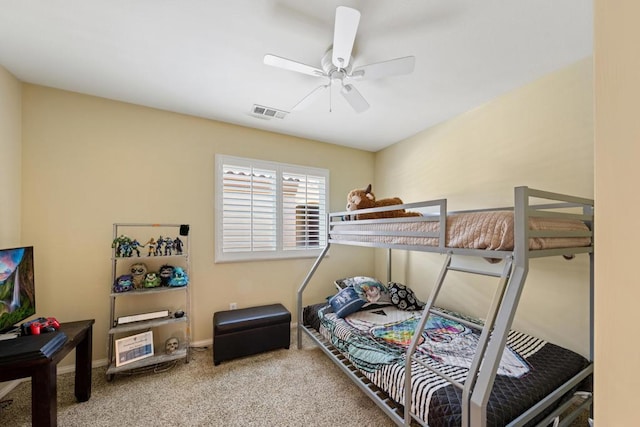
[7,386]
[202,343]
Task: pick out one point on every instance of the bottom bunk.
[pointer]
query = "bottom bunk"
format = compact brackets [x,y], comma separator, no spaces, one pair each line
[370,345]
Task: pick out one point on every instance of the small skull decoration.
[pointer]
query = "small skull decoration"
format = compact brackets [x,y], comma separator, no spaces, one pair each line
[171,345]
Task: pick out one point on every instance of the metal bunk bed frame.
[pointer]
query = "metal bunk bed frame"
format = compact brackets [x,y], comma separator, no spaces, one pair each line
[477,388]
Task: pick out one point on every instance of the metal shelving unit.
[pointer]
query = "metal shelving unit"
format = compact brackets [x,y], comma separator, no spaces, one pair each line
[163,296]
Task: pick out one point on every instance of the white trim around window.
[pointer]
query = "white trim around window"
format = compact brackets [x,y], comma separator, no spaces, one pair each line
[269,210]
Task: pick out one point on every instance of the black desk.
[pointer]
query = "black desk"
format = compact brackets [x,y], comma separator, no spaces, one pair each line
[43,371]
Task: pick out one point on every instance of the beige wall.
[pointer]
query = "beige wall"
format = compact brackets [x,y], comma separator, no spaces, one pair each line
[10,147]
[541,136]
[81,151]
[90,162]
[617,149]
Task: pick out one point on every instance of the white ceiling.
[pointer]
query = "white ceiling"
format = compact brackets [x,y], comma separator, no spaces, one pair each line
[205,57]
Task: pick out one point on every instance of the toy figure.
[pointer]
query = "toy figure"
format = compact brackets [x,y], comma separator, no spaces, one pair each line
[138,272]
[151,244]
[168,246]
[123,283]
[365,199]
[179,277]
[135,245]
[159,243]
[122,246]
[116,244]
[177,243]
[166,273]
[151,280]
[125,247]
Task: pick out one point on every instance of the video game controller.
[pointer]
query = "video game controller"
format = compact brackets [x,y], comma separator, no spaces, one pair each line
[39,325]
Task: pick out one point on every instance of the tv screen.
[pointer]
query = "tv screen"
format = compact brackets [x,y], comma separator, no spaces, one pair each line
[17,286]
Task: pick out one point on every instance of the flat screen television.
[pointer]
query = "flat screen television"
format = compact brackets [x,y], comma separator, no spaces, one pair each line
[17,287]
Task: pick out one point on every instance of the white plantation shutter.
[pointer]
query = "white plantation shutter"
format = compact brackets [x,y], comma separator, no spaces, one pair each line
[249,209]
[268,210]
[303,210]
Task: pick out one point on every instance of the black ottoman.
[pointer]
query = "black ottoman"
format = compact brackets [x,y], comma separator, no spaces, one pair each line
[246,331]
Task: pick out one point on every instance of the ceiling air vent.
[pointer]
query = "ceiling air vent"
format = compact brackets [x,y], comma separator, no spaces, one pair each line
[268,112]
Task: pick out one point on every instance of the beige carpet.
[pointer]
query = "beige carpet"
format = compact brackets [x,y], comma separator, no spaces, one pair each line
[279,388]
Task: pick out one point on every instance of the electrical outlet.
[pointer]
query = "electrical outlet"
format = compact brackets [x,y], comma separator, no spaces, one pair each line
[233,306]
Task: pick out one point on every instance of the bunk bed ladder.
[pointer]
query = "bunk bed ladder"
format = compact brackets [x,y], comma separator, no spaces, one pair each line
[486,330]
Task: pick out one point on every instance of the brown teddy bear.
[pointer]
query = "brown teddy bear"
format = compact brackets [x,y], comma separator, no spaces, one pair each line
[363,199]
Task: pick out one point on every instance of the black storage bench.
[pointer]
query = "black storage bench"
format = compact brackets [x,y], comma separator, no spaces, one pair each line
[246,331]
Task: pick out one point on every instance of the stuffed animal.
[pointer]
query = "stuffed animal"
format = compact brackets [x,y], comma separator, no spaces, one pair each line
[364,199]
[179,277]
[138,272]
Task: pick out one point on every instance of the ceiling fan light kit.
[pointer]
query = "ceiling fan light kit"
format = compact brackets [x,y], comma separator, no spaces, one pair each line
[337,64]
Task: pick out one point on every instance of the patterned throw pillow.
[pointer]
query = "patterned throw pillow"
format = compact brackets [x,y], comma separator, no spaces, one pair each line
[346,301]
[371,290]
[352,281]
[403,297]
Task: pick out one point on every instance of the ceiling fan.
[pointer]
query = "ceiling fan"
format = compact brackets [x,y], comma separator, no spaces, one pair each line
[336,64]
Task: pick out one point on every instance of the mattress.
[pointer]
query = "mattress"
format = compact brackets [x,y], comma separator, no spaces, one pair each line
[375,341]
[491,230]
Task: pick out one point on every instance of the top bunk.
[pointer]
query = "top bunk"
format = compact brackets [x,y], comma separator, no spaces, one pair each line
[539,224]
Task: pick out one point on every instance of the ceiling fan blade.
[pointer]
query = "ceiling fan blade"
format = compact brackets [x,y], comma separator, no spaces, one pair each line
[310,98]
[344,35]
[288,64]
[354,98]
[392,67]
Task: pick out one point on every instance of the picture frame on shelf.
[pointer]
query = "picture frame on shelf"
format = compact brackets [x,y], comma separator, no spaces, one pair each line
[134,348]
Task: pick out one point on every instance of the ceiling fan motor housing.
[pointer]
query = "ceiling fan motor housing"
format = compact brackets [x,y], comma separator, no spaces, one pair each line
[330,69]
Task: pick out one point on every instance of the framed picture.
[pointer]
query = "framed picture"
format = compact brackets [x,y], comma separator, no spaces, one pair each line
[134,347]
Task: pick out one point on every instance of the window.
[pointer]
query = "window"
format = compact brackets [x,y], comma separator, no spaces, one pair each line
[269,210]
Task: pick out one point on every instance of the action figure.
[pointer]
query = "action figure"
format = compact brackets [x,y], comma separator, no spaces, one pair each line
[177,243]
[120,244]
[123,246]
[134,247]
[159,243]
[151,244]
[168,245]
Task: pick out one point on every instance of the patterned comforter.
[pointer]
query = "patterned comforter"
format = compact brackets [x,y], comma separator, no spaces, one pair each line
[375,341]
[490,230]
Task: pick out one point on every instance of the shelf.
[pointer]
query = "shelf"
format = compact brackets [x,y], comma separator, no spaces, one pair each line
[150,291]
[161,297]
[146,324]
[147,257]
[153,360]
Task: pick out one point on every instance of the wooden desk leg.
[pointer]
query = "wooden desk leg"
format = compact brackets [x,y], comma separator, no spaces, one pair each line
[83,367]
[44,396]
